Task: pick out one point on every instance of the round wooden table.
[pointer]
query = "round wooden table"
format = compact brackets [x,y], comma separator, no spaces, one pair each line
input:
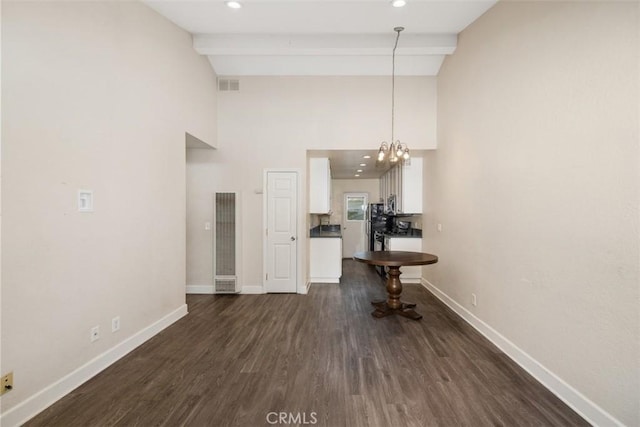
[394,260]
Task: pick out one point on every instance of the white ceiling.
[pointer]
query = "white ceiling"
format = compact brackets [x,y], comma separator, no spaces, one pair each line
[322,37]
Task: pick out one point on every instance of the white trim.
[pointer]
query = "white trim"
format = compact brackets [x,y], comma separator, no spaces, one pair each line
[587,409]
[200,289]
[259,289]
[38,402]
[305,290]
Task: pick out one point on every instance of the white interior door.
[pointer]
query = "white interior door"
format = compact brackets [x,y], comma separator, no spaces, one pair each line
[282,238]
[354,223]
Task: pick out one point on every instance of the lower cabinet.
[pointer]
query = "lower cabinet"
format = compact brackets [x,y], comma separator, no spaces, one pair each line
[410,274]
[325,260]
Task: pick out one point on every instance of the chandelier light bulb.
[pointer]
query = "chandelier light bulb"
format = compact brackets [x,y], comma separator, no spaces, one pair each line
[399,148]
[393,156]
[382,151]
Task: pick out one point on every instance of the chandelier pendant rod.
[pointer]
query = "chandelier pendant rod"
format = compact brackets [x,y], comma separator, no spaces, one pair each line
[393,82]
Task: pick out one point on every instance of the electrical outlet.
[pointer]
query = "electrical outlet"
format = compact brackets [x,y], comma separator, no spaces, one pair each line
[7,383]
[115,324]
[439,228]
[474,300]
[95,333]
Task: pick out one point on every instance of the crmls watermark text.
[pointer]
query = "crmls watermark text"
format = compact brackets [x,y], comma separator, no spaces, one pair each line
[296,418]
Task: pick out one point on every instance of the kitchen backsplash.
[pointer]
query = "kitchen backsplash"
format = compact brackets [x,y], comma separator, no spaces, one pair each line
[319,219]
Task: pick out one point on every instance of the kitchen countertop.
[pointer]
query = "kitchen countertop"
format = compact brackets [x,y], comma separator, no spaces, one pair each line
[415,233]
[331,230]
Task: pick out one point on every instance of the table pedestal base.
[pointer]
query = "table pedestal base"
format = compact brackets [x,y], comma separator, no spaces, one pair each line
[406,310]
[393,305]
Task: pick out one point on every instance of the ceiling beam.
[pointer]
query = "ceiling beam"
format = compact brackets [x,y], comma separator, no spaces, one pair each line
[327,65]
[331,45]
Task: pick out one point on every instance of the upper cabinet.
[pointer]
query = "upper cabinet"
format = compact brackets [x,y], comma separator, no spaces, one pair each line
[405,182]
[319,185]
[411,188]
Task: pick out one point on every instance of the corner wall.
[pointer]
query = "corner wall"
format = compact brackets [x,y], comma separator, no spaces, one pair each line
[95,96]
[536,184]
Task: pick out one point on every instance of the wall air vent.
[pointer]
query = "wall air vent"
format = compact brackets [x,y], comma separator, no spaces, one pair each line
[228,85]
[227,245]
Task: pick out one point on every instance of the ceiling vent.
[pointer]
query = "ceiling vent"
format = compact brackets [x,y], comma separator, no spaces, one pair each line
[228,85]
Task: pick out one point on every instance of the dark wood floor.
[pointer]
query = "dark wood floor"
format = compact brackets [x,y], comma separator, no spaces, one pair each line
[320,357]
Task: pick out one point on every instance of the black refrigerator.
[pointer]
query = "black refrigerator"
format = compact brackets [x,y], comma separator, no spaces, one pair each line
[376,221]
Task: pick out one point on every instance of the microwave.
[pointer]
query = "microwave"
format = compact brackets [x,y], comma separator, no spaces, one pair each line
[391,204]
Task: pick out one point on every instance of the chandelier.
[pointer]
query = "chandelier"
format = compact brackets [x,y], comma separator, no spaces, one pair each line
[397,150]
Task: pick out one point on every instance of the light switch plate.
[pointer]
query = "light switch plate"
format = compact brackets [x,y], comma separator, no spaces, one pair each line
[85,200]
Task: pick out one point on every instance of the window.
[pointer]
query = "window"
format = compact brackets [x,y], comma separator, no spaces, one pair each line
[356,208]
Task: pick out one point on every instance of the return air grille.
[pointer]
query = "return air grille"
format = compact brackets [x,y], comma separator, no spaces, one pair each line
[228,85]
[226,235]
[226,286]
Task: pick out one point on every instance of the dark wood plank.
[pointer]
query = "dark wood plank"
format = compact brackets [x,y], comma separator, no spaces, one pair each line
[234,359]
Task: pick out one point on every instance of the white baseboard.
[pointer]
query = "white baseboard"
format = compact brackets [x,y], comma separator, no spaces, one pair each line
[35,404]
[200,289]
[324,280]
[253,290]
[565,392]
[210,290]
[305,290]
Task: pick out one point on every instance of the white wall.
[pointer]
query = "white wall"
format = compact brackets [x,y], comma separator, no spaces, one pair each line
[271,123]
[535,182]
[1,370]
[95,95]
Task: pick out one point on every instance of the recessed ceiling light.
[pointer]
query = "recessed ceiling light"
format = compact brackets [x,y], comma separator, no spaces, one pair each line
[398,3]
[238,5]
[363,164]
[366,157]
[356,175]
[359,170]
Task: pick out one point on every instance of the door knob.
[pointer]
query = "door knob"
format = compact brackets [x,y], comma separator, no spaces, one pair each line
[293,238]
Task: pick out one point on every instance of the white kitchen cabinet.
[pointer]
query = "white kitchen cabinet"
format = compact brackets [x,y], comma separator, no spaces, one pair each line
[384,188]
[319,185]
[411,184]
[405,182]
[410,274]
[325,260]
